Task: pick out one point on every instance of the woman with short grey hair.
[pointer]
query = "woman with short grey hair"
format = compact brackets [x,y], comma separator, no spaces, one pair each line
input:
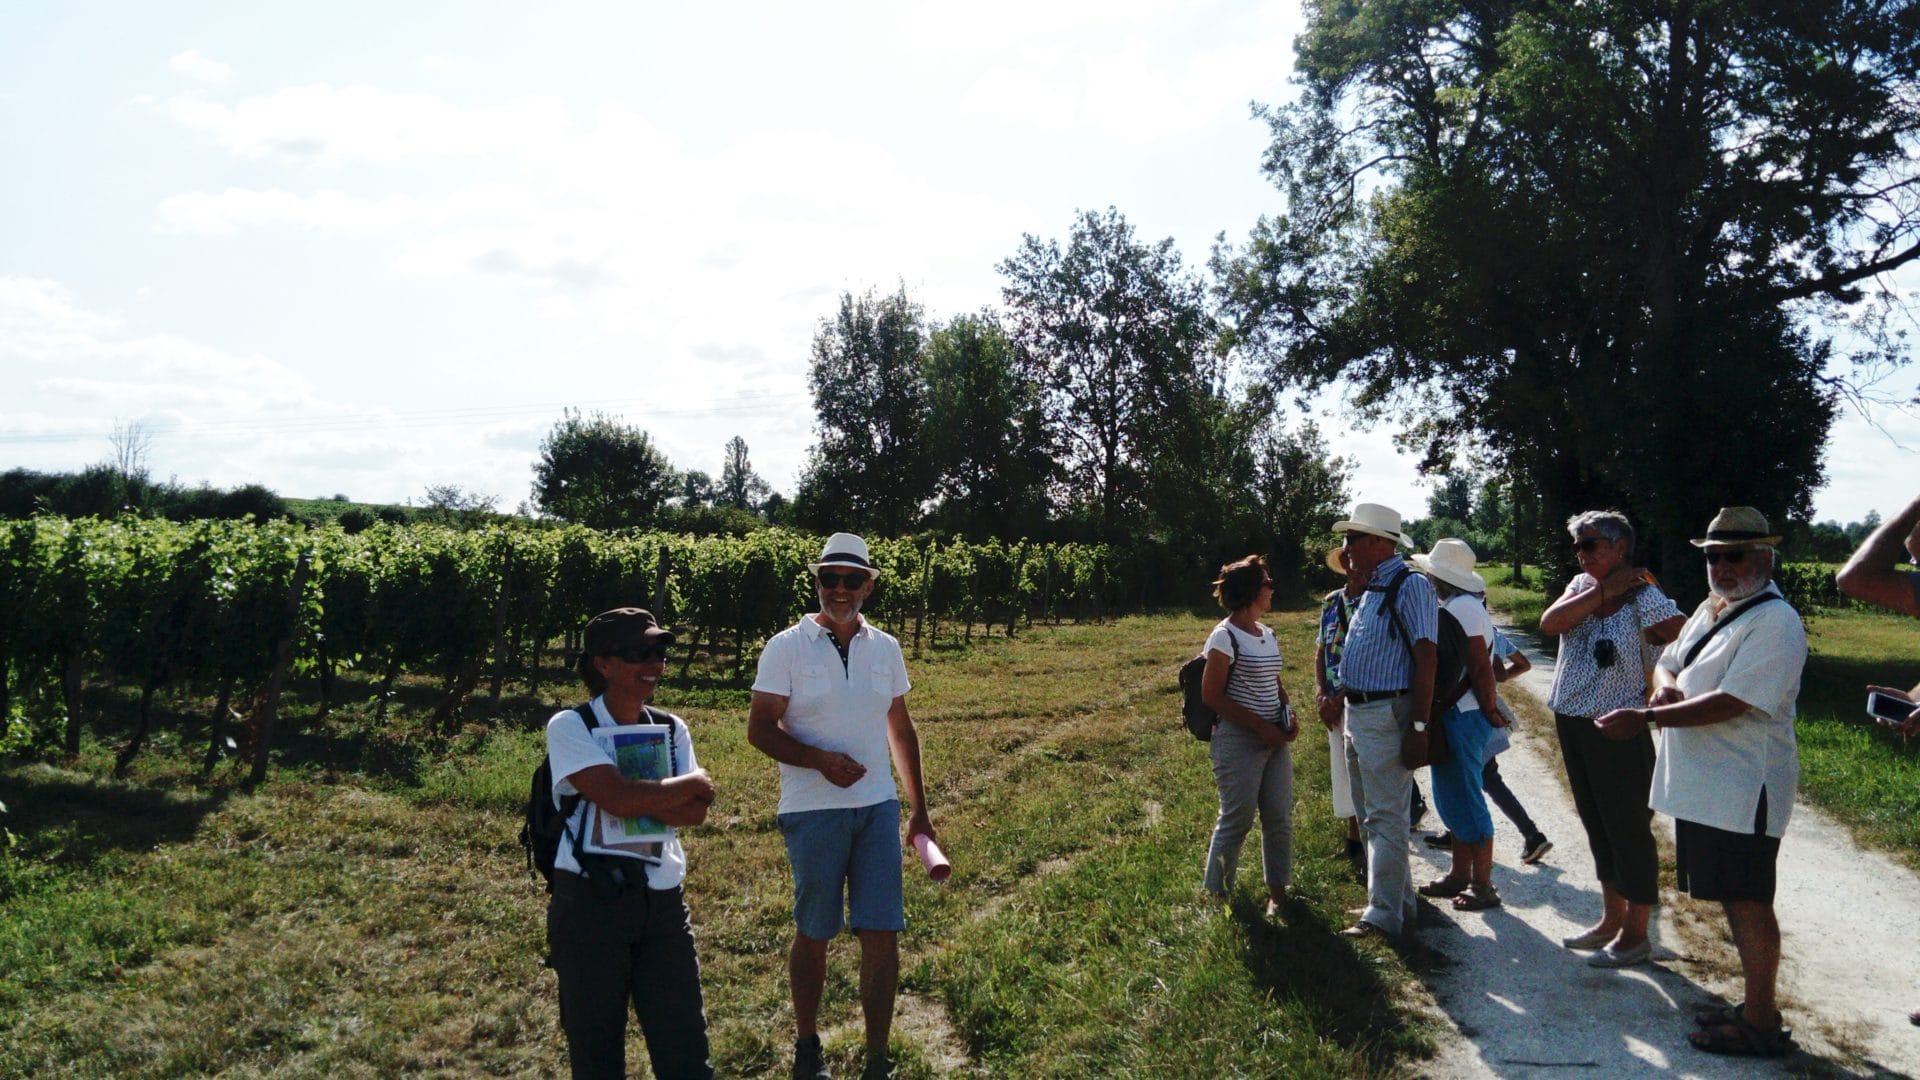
[1603,618]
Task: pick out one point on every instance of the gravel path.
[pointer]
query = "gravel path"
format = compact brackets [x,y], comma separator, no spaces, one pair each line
[1526,1007]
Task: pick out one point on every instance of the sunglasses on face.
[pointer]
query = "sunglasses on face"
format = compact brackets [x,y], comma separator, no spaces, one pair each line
[1736,557]
[640,654]
[832,579]
[1587,543]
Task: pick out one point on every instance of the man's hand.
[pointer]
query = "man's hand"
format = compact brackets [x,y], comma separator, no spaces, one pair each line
[1665,695]
[1332,709]
[839,769]
[921,825]
[1623,723]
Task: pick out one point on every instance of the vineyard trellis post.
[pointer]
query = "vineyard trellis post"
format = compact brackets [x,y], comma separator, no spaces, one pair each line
[282,664]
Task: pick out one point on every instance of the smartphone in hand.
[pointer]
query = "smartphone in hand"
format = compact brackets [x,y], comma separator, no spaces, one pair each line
[1888,709]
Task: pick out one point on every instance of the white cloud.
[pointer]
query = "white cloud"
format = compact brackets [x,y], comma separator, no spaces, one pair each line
[333,125]
[194,65]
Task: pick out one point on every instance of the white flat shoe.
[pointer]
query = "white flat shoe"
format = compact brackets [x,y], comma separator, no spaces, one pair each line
[1590,939]
[1611,957]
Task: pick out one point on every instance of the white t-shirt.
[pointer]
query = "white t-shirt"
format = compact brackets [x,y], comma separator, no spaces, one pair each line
[1472,616]
[1714,774]
[570,749]
[1581,687]
[835,705]
[1254,679]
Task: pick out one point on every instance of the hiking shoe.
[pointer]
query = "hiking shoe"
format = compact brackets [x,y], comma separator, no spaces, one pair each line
[1535,849]
[808,1061]
[1442,840]
[878,1068]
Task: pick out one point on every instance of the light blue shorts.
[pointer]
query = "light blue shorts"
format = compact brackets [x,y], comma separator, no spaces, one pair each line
[845,859]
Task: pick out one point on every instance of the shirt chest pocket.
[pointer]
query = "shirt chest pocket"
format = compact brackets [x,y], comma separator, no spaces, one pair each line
[813,681]
[880,680]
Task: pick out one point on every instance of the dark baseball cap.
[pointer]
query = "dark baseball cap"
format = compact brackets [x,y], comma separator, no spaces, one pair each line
[623,627]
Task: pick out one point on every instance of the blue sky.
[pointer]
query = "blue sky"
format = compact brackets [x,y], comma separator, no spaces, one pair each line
[365,248]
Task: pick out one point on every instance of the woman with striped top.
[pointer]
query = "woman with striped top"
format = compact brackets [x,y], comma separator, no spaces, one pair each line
[1252,762]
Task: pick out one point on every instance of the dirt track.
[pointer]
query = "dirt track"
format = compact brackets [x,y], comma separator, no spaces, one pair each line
[1526,1007]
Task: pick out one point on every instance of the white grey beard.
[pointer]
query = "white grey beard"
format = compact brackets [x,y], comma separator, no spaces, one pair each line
[1737,593]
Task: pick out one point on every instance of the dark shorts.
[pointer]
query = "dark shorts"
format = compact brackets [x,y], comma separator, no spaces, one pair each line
[1713,864]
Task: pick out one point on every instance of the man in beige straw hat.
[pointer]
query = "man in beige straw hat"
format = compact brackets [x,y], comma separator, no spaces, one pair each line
[1728,765]
[1386,676]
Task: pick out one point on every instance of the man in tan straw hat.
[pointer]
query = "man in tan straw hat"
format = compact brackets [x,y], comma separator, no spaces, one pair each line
[1386,676]
[830,705]
[1728,766]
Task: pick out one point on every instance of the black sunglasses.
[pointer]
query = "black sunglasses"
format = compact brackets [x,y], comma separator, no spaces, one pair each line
[1587,543]
[831,579]
[1736,557]
[640,654]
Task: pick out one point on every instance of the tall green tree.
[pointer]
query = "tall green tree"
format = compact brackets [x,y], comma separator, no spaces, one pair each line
[1299,485]
[602,473]
[988,430]
[1606,243]
[1118,334]
[740,487]
[869,466]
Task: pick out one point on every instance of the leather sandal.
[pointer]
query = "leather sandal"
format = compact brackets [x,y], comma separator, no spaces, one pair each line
[1477,898]
[1714,1015]
[1738,1037]
[1444,887]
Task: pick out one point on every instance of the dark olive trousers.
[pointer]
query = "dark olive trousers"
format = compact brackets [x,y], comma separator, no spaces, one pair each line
[635,947]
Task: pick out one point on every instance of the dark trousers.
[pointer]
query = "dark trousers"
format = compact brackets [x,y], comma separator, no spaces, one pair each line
[1506,800]
[1611,780]
[637,946]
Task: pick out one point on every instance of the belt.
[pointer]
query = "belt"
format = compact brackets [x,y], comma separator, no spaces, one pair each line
[1361,697]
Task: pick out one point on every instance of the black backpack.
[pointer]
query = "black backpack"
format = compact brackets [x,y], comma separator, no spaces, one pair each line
[1450,645]
[545,825]
[1194,712]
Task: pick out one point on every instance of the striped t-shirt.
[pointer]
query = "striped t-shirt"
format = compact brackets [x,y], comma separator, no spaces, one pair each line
[1254,679]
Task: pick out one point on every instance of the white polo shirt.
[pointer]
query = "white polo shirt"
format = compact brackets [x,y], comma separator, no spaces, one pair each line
[835,706]
[1714,774]
[570,749]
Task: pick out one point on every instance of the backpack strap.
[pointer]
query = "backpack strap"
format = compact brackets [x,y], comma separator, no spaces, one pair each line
[571,803]
[1392,600]
[1694,652]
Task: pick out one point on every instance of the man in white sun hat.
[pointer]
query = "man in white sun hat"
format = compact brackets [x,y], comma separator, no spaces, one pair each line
[1728,765]
[830,705]
[1386,676]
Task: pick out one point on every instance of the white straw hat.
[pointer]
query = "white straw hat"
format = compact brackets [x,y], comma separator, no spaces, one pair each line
[1452,561]
[845,549]
[1374,520]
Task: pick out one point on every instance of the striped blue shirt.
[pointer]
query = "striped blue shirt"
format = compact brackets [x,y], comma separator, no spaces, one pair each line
[1375,657]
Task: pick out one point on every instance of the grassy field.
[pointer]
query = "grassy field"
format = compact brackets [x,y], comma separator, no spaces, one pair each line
[366,912]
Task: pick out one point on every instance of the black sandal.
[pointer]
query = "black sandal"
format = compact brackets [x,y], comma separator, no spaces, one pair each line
[1738,1037]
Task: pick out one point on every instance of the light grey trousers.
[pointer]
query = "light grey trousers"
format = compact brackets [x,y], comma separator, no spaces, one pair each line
[1253,779]
[1382,790]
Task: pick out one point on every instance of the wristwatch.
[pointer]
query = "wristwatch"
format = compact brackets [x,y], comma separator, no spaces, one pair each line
[1651,722]
[1419,725]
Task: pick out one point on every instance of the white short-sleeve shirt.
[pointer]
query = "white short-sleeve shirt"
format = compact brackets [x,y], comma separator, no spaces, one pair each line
[1714,774]
[1473,618]
[570,749]
[1253,680]
[835,705]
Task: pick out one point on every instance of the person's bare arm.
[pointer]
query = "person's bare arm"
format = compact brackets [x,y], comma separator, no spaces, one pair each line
[679,800]
[903,741]
[1715,708]
[766,735]
[1873,573]
[1213,693]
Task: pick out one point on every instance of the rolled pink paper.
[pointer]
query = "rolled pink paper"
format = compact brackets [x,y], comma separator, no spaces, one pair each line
[935,860]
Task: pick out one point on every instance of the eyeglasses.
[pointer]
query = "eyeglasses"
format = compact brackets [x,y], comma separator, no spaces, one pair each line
[640,654]
[832,579]
[1605,653]
[1736,557]
[1587,543]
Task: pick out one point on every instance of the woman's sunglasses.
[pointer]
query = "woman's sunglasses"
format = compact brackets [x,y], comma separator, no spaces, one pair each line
[641,654]
[832,579]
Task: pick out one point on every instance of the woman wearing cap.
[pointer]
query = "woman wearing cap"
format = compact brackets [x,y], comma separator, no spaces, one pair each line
[1607,611]
[1469,722]
[617,926]
[1252,762]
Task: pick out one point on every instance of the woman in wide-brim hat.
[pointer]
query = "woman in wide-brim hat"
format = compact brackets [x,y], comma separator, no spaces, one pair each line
[1467,726]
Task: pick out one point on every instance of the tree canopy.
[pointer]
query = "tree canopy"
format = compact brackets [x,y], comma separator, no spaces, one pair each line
[1606,248]
[600,472]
